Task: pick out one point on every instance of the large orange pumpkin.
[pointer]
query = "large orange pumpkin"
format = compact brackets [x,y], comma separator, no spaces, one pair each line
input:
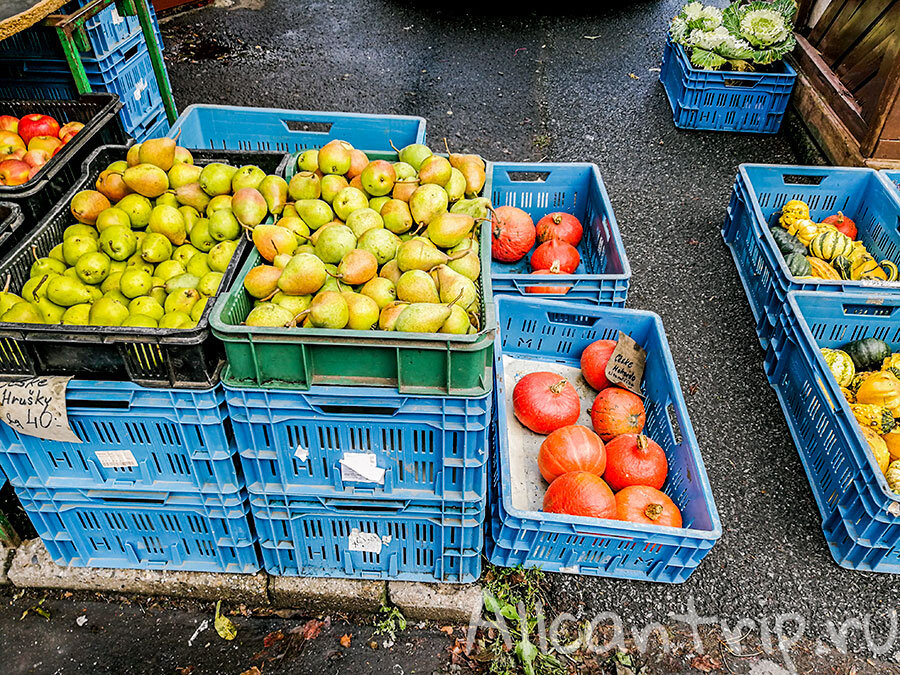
[646,505]
[571,448]
[617,411]
[580,493]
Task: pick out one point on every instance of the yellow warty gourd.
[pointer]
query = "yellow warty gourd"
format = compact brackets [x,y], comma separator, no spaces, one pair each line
[878,448]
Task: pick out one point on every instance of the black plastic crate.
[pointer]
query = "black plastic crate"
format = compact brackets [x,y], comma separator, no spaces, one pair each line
[152,357]
[11,220]
[99,114]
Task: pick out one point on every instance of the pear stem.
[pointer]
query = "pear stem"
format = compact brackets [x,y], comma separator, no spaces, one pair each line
[446,146]
[175,137]
[8,280]
[40,283]
[269,296]
[34,252]
[456,299]
[293,322]
[393,146]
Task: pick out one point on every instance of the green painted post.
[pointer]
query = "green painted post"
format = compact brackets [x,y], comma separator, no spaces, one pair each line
[8,536]
[159,67]
[73,57]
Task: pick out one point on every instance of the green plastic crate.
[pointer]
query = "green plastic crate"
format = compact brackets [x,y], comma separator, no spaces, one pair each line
[298,358]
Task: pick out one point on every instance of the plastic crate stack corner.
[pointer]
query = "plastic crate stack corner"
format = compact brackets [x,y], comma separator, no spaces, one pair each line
[33,66]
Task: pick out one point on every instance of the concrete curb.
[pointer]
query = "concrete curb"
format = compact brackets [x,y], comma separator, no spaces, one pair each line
[32,567]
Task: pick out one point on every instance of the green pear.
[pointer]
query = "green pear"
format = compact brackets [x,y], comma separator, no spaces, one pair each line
[305,185]
[201,239]
[198,265]
[422,317]
[223,225]
[293,303]
[304,274]
[77,315]
[314,212]
[118,242]
[168,269]
[93,268]
[184,253]
[447,230]
[381,243]
[135,282]
[139,321]
[182,174]
[182,300]
[274,190]
[23,312]
[308,160]
[334,243]
[268,314]
[381,290]
[215,178]
[108,311]
[137,262]
[220,256]
[414,154]
[182,281]
[111,217]
[168,221]
[362,311]
[396,216]
[190,195]
[364,219]
[42,266]
[198,309]
[427,202]
[218,202]
[176,319]
[417,286]
[65,292]
[111,282]
[329,310]
[147,306]
[209,283]
[76,246]
[56,253]
[349,200]
[159,152]
[147,180]
[249,176]
[457,323]
[138,209]
[80,230]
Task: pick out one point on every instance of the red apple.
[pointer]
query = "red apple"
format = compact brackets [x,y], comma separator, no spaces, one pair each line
[18,154]
[9,123]
[47,143]
[37,125]
[68,130]
[10,142]
[14,171]
[36,157]
[34,171]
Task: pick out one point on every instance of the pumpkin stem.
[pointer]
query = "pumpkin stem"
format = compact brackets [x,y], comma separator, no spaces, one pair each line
[554,268]
[557,219]
[642,443]
[558,387]
[840,216]
[653,511]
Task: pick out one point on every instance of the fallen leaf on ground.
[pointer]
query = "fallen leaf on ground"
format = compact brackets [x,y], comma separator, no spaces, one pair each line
[705,664]
[312,628]
[345,640]
[447,629]
[224,627]
[253,671]
[187,670]
[592,37]
[633,76]
[272,638]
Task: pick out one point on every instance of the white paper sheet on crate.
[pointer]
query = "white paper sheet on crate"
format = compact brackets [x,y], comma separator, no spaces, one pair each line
[528,486]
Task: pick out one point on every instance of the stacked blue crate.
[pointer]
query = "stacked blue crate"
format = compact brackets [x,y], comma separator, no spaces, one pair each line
[32,65]
[364,482]
[153,484]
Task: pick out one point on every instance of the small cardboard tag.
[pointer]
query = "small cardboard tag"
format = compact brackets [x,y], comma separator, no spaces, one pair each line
[301,453]
[36,406]
[626,364]
[361,467]
[116,459]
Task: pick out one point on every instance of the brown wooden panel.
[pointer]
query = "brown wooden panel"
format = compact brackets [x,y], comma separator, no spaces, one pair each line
[891,129]
[825,21]
[851,26]
[864,59]
[887,150]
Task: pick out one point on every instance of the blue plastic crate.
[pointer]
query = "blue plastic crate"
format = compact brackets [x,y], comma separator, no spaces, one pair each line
[893,177]
[761,190]
[603,275]
[156,125]
[724,100]
[106,32]
[131,77]
[161,531]
[177,439]
[293,442]
[848,486]
[557,333]
[348,538]
[236,128]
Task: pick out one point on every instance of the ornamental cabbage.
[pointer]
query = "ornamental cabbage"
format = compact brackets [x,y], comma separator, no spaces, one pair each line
[764,27]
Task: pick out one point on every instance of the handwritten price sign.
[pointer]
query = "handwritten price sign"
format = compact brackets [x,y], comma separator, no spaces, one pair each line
[626,364]
[36,406]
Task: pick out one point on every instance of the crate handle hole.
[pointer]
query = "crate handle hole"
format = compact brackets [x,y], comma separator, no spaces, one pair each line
[746,84]
[571,319]
[868,310]
[386,411]
[796,179]
[74,401]
[528,176]
[315,127]
[676,427]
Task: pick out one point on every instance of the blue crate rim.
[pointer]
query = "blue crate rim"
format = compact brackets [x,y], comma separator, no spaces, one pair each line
[625,275]
[687,434]
[832,390]
[758,219]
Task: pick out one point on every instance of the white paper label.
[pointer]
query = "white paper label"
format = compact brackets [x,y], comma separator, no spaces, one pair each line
[301,453]
[361,467]
[116,459]
[116,17]
[139,89]
[626,364]
[569,570]
[894,509]
[366,542]
[36,406]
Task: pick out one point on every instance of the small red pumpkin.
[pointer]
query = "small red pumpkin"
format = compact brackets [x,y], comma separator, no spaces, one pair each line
[617,411]
[593,363]
[544,402]
[571,448]
[646,505]
[843,224]
[555,253]
[559,225]
[560,290]
[580,493]
[512,234]
[634,459]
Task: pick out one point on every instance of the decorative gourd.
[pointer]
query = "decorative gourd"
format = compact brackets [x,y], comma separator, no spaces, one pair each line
[881,389]
[787,243]
[792,211]
[891,362]
[858,251]
[877,417]
[821,269]
[876,274]
[864,265]
[893,476]
[892,440]
[890,270]
[878,447]
[868,353]
[843,224]
[797,265]
[859,379]
[849,395]
[829,244]
[843,266]
[804,229]
[840,364]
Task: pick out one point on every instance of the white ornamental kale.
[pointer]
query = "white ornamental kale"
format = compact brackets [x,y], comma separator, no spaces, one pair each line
[734,48]
[679,31]
[764,27]
[699,17]
[709,40]
[692,11]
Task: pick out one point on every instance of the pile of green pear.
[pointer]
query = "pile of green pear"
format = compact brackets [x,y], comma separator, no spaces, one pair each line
[373,245]
[151,244]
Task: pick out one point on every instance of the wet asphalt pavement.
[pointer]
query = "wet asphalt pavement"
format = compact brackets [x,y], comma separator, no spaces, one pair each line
[514,83]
